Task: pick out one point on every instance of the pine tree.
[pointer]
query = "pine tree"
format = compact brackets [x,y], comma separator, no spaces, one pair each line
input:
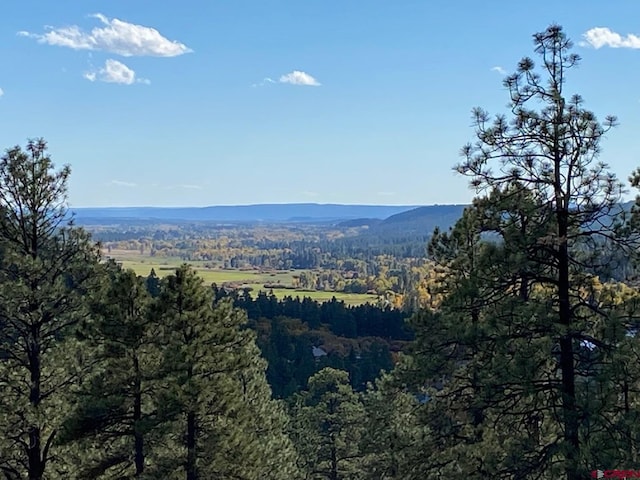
[46,270]
[327,427]
[393,439]
[511,351]
[226,425]
[260,424]
[118,412]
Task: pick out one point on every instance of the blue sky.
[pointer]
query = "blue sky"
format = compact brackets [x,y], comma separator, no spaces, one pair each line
[223,102]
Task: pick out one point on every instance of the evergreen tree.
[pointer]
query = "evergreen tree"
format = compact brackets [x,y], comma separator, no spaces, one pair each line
[394,436]
[118,411]
[264,450]
[153,283]
[226,425]
[46,269]
[327,427]
[511,351]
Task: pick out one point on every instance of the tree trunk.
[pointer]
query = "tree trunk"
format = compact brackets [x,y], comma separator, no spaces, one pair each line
[36,462]
[137,417]
[192,473]
[567,367]
[333,473]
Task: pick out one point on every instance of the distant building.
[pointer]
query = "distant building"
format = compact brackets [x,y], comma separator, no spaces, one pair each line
[318,352]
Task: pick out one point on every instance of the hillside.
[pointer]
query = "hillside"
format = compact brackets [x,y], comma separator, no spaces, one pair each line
[420,220]
[359,222]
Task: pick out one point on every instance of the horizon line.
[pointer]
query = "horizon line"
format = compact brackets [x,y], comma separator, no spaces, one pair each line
[273,204]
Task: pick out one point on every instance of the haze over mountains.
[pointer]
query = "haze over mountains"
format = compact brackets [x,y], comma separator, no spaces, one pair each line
[279,213]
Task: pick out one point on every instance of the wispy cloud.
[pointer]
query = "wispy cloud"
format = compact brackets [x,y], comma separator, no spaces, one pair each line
[114,36]
[115,72]
[185,186]
[308,193]
[265,81]
[299,78]
[499,69]
[599,37]
[120,183]
[387,194]
[1,92]
[295,77]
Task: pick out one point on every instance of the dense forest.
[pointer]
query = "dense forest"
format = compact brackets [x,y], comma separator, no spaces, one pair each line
[301,337]
[511,350]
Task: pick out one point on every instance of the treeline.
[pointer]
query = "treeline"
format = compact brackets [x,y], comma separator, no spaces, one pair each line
[401,281]
[349,321]
[361,340]
[245,246]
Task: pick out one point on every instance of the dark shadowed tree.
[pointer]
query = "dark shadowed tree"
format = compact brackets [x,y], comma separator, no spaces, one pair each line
[118,411]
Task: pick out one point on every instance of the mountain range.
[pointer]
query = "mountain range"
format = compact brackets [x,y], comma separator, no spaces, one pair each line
[287,212]
[383,219]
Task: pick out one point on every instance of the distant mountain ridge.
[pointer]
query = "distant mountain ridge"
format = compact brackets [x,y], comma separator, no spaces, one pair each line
[285,212]
[421,219]
[390,222]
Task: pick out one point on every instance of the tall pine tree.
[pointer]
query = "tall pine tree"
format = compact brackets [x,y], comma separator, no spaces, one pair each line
[226,425]
[46,270]
[519,347]
[118,410]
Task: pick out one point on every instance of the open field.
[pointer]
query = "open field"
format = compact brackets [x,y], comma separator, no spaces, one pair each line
[142,265]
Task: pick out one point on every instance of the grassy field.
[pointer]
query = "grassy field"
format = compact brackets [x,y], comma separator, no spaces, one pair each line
[254,279]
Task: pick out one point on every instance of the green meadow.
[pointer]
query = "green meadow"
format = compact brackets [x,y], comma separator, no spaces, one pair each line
[250,278]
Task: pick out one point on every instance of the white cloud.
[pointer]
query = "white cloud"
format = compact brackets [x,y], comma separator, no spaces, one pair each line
[120,183]
[604,37]
[1,92]
[115,36]
[499,69]
[115,72]
[299,78]
[293,78]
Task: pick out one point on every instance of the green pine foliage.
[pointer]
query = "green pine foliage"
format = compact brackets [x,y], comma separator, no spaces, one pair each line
[178,389]
[328,427]
[118,416]
[520,359]
[225,425]
[393,434]
[46,273]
